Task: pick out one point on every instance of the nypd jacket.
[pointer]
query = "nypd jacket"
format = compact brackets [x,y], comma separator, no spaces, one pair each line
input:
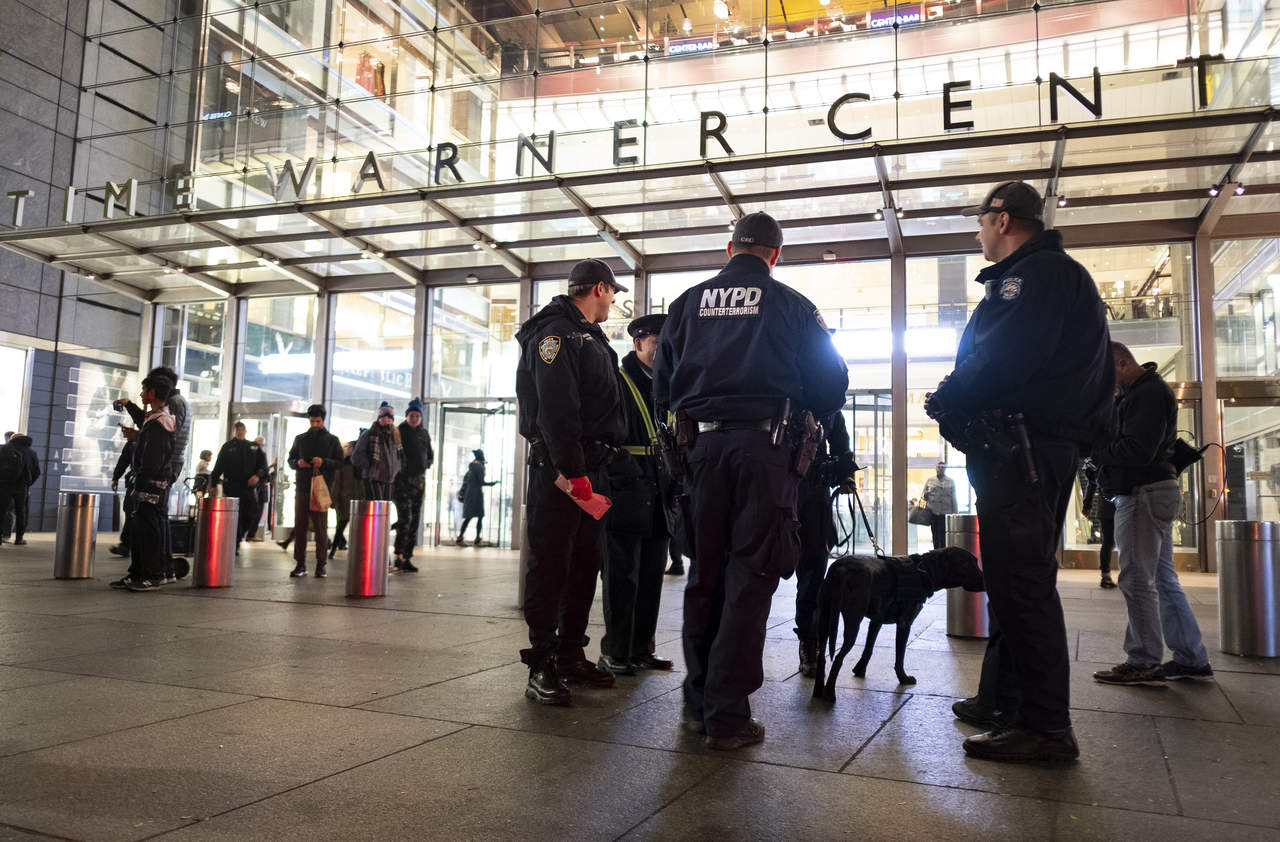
[238,460]
[734,347]
[1038,344]
[567,385]
[1148,426]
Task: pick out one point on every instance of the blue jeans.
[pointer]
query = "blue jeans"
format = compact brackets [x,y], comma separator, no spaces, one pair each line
[1144,536]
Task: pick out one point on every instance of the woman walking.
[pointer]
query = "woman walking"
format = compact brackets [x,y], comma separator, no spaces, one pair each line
[473,496]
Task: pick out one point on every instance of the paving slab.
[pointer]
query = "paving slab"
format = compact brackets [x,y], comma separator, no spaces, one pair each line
[1255,697]
[89,637]
[11,678]
[1182,699]
[430,631]
[1225,772]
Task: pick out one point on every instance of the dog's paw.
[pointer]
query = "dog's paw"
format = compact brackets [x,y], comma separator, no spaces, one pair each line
[829,695]
[859,672]
[906,679]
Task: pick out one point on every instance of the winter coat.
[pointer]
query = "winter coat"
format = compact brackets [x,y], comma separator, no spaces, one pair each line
[418,456]
[346,487]
[384,467]
[318,442]
[473,490]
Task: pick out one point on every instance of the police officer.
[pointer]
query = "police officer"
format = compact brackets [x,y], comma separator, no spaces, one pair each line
[637,523]
[571,414]
[240,466]
[833,466]
[1037,344]
[735,353]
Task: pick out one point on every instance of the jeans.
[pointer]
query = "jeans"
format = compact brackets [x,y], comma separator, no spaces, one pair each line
[1144,534]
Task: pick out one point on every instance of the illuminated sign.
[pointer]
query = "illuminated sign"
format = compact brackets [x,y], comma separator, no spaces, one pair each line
[215,115]
[888,17]
[689,46]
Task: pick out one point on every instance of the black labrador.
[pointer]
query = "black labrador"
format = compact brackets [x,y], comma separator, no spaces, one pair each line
[884,590]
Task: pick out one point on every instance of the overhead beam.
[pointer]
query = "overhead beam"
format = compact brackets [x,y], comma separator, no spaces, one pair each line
[1055,171]
[1226,187]
[127,290]
[513,264]
[892,228]
[729,201]
[215,285]
[369,251]
[630,254]
[310,280]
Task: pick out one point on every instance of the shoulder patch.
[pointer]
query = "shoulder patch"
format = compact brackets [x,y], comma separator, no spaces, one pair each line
[1010,288]
[548,348]
[822,323]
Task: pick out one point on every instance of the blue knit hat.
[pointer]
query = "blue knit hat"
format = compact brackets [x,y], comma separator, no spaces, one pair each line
[385,409]
[415,405]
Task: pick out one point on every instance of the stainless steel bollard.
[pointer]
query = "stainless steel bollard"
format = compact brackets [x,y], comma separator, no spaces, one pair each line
[368,547]
[1249,587]
[966,612]
[215,551]
[77,535]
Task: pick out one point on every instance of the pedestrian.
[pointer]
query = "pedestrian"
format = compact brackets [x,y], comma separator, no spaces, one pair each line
[744,358]
[124,469]
[241,467]
[570,412]
[315,453]
[152,469]
[19,469]
[347,486]
[1037,347]
[472,493]
[379,454]
[411,485]
[1136,469]
[200,486]
[939,496]
[637,528]
[1098,506]
[181,413]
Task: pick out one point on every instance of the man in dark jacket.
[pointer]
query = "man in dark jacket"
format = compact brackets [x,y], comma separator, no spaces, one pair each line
[1137,470]
[316,450]
[19,469]
[240,467]
[1036,345]
[124,470]
[739,354]
[152,468]
[410,484]
[571,414]
[637,523]
[181,412]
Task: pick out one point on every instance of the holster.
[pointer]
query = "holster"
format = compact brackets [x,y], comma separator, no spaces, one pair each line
[806,435]
[675,443]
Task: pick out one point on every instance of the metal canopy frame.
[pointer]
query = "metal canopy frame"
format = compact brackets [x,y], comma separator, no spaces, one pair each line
[496,261]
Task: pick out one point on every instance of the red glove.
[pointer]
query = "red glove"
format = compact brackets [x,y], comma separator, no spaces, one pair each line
[581,487]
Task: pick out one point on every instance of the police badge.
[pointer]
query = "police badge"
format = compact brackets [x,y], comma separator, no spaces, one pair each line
[1010,288]
[548,348]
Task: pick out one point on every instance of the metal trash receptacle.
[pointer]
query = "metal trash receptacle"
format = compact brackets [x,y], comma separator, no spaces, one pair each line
[966,611]
[1249,587]
[77,535]
[368,547]
[215,551]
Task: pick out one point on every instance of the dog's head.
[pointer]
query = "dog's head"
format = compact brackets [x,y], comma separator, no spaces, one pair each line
[952,567]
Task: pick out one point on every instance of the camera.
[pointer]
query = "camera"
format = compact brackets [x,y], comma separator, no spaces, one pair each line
[118,405]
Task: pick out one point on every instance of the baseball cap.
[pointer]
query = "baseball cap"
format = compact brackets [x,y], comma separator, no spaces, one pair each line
[758,229]
[1016,198]
[589,272]
[650,325]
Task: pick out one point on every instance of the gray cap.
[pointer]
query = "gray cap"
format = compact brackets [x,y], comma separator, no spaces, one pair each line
[758,229]
[589,272]
[1016,198]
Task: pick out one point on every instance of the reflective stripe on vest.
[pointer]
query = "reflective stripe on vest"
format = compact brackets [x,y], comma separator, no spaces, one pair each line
[639,449]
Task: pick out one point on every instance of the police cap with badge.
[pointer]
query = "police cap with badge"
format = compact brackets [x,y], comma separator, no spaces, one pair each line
[650,325]
[1021,201]
[587,273]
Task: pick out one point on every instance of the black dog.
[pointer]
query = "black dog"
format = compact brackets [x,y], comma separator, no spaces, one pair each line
[884,590]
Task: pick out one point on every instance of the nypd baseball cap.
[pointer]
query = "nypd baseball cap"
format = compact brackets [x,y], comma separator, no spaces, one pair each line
[589,272]
[1016,198]
[758,229]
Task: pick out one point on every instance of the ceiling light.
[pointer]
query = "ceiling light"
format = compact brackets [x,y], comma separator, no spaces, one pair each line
[1213,191]
[829,255]
[687,26]
[824,2]
[471,279]
[476,246]
[90,276]
[879,215]
[1062,201]
[720,9]
[1239,189]
[900,213]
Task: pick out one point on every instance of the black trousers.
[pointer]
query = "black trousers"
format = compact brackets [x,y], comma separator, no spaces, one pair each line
[408,492]
[247,518]
[813,509]
[938,526]
[1021,526]
[13,498]
[632,590]
[746,537]
[566,551]
[148,557]
[1108,525]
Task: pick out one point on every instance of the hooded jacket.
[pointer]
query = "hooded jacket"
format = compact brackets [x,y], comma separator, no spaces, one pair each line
[1147,427]
[28,467]
[567,385]
[153,451]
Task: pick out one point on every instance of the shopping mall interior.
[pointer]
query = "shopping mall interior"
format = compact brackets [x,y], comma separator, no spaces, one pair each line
[354,201]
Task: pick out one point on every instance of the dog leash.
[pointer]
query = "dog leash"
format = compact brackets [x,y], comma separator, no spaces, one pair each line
[866,524]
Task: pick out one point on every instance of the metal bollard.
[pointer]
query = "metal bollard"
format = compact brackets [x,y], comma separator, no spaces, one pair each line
[1249,587]
[77,536]
[966,612]
[368,547]
[215,551]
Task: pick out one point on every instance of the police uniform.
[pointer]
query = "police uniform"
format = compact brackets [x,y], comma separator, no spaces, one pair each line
[636,525]
[732,351]
[238,460]
[571,413]
[1036,344]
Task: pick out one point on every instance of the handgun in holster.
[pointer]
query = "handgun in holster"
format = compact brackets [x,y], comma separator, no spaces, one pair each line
[675,441]
[539,455]
[999,435]
[806,434]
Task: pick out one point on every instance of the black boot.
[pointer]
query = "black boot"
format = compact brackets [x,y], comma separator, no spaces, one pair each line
[808,658]
[545,686]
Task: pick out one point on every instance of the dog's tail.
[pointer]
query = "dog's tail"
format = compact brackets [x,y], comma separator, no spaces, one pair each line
[827,622]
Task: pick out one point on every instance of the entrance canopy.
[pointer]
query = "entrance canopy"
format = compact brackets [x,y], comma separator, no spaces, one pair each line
[1130,181]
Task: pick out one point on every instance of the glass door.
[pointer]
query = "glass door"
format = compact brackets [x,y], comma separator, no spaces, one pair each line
[868,415]
[1251,439]
[465,427]
[277,424]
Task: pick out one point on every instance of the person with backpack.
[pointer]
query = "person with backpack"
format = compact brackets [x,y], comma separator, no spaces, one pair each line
[152,470]
[19,469]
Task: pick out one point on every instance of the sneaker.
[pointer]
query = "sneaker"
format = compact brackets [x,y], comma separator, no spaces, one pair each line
[1174,671]
[145,585]
[407,566]
[459,542]
[321,573]
[298,572]
[1106,583]
[751,733]
[121,584]
[169,579]
[1131,674]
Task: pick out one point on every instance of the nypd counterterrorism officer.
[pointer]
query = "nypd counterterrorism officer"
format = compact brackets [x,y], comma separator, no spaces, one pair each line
[833,467]
[737,355]
[240,467]
[571,414]
[637,523]
[1037,344]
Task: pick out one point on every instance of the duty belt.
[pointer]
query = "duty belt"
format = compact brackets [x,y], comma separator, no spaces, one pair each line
[764,425]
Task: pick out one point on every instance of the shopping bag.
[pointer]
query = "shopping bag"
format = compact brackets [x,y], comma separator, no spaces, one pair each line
[320,499]
[920,515]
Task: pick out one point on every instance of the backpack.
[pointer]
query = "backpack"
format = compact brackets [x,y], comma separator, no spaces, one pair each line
[13,465]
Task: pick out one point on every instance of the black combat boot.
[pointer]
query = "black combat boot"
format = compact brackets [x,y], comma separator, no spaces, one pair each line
[808,658]
[545,685]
